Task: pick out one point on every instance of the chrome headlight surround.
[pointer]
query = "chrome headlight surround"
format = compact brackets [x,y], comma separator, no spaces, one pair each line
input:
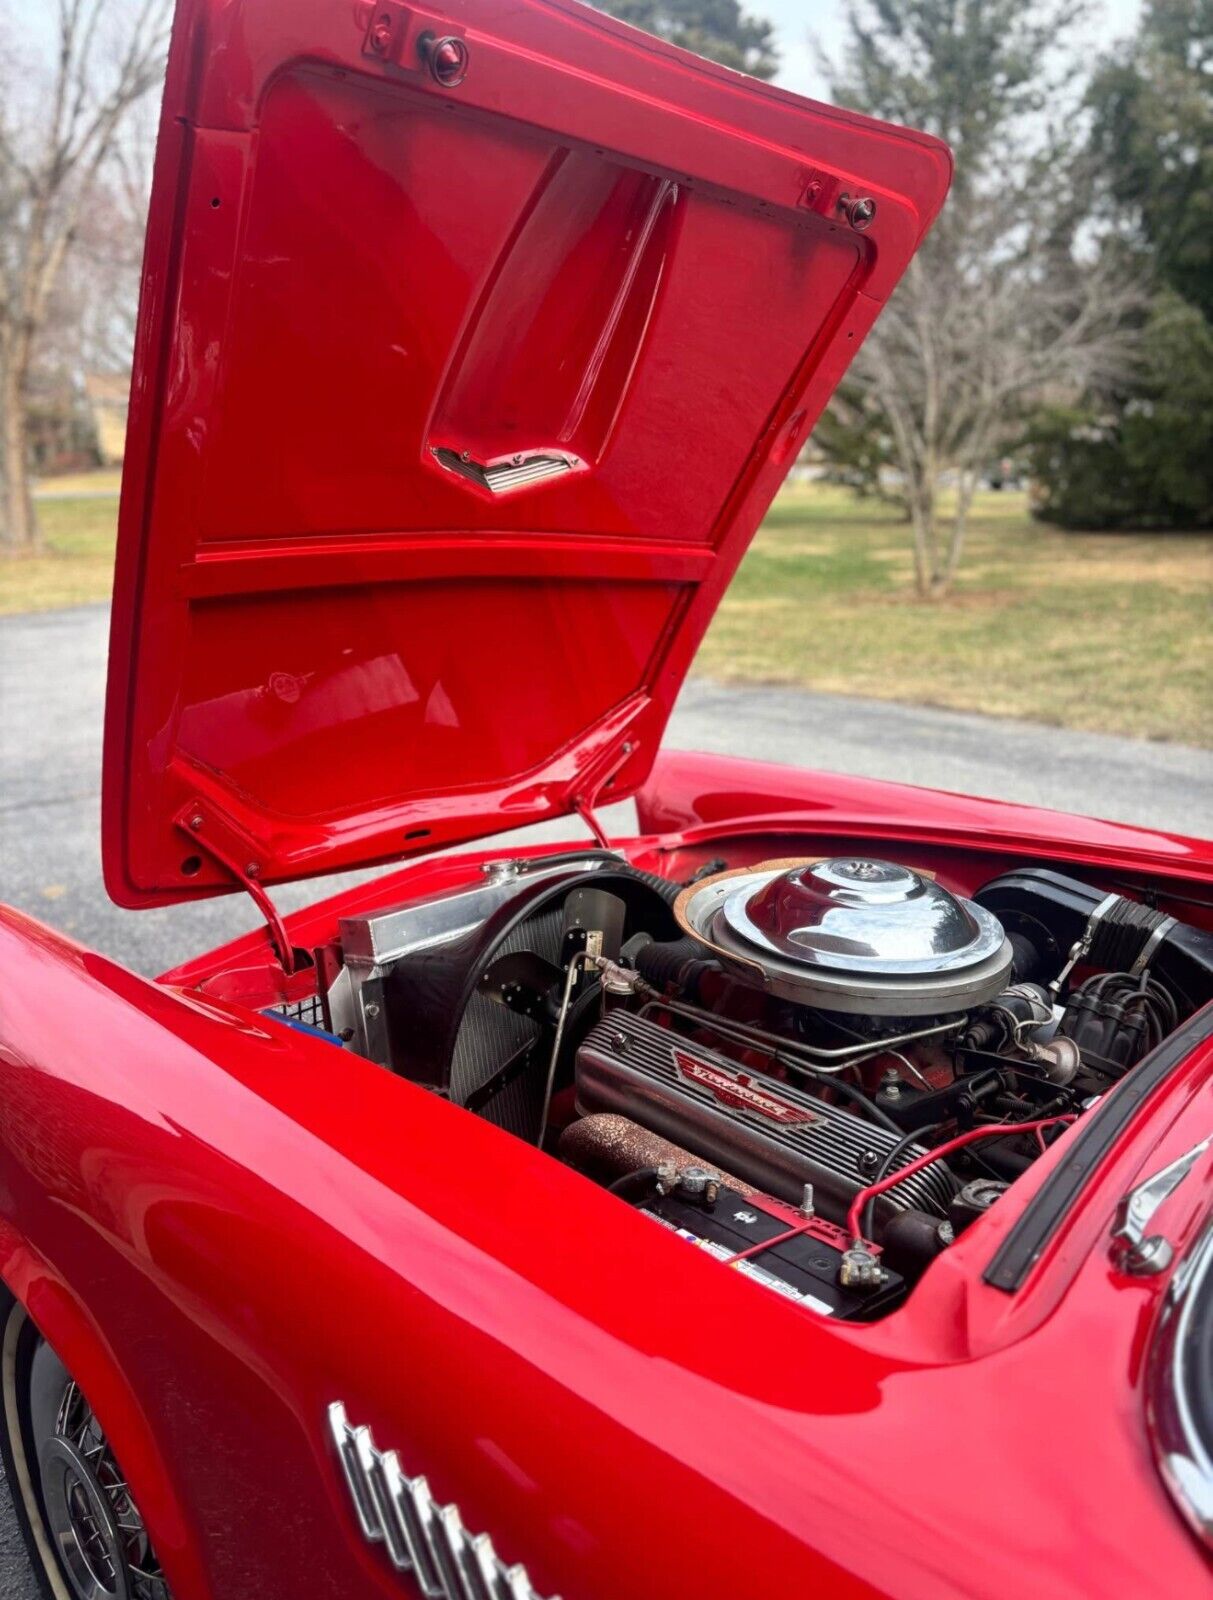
[1179,1387]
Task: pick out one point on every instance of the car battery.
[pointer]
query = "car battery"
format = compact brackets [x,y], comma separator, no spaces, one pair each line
[803,1268]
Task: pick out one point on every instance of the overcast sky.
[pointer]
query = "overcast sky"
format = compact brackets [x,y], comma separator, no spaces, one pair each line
[796,19]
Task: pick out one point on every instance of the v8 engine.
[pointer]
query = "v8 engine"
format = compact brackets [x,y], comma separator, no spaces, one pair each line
[818,1070]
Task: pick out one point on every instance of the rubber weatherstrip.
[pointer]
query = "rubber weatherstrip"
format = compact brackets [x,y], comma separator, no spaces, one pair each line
[1098,1132]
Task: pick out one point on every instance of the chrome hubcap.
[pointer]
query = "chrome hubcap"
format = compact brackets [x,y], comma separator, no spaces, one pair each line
[92,1521]
[81,1524]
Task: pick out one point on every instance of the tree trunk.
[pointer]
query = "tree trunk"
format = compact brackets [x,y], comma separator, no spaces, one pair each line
[922,559]
[922,518]
[20,531]
[944,572]
[965,491]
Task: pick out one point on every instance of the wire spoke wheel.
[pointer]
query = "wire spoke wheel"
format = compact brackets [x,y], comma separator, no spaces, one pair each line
[85,1529]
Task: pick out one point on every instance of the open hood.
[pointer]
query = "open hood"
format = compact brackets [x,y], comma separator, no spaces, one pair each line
[474,342]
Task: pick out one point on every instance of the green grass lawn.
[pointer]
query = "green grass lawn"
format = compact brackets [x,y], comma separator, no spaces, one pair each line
[1107,632]
[1098,631]
[78,560]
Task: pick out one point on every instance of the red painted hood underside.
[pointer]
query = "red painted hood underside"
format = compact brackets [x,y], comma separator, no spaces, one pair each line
[454,410]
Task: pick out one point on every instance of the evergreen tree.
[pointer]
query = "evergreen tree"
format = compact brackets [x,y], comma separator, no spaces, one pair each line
[1152,142]
[1139,454]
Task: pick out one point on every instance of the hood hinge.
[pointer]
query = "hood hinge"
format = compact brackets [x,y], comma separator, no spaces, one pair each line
[217,836]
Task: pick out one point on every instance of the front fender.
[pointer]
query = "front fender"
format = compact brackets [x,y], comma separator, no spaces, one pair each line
[80,1344]
[115,1218]
[229,1225]
[705,797]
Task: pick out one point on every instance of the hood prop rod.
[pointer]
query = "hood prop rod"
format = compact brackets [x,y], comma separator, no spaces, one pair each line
[586,812]
[214,835]
[587,798]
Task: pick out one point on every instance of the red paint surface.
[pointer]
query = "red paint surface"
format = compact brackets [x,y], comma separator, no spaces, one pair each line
[595,245]
[698,802]
[224,1225]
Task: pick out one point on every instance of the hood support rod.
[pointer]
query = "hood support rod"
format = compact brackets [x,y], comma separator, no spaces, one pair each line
[214,834]
[590,793]
[585,811]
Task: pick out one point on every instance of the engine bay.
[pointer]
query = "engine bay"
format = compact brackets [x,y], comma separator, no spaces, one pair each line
[819,1071]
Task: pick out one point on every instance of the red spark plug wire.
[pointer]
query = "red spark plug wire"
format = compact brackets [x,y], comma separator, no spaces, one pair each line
[997,1131]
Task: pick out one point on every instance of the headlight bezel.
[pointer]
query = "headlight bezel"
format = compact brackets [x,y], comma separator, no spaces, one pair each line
[1179,1387]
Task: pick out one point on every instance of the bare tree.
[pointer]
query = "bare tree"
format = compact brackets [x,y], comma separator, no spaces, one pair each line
[91,323]
[1010,296]
[965,348]
[56,148]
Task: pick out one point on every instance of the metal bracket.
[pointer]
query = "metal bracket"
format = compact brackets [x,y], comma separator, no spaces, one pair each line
[1150,948]
[602,774]
[1082,945]
[403,36]
[217,836]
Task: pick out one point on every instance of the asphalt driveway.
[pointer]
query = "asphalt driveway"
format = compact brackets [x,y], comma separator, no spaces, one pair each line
[52,679]
[52,670]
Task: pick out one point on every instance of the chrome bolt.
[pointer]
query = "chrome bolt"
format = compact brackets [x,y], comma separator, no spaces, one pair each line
[1147,1259]
[447,58]
[860,213]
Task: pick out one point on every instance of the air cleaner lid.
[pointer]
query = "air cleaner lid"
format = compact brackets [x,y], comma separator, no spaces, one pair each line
[853,913]
[851,933]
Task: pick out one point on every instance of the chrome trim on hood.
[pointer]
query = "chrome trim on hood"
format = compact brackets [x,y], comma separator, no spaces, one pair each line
[423,1538]
[508,473]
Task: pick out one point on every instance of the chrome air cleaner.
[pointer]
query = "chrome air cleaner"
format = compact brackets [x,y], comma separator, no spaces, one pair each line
[851,934]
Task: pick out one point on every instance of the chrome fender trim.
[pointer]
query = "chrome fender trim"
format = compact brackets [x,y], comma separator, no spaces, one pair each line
[422,1537]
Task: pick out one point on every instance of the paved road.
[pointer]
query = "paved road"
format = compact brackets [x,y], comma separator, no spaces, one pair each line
[52,671]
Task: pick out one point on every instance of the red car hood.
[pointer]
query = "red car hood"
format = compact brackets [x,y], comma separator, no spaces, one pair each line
[455,406]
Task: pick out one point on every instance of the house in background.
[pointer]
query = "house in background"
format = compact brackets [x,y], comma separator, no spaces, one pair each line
[106,393]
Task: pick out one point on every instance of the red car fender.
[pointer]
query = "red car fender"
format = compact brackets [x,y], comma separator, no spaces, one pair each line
[74,1336]
[91,1219]
[259,1225]
[693,799]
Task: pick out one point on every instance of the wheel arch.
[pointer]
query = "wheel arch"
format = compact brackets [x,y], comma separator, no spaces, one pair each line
[28,1282]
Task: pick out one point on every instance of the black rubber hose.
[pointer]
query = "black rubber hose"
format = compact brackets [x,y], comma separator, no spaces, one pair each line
[886,1166]
[847,1090]
[665,887]
[1121,933]
[677,964]
[635,1185]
